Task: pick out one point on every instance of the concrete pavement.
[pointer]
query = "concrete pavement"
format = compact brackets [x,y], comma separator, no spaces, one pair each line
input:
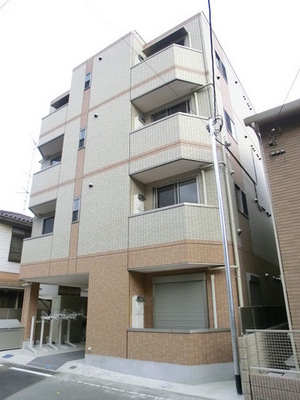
[69,360]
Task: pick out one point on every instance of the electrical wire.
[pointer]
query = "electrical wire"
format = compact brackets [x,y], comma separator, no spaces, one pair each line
[288,94]
[4,4]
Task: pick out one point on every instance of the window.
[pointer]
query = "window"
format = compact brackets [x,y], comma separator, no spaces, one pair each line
[16,244]
[82,138]
[179,192]
[55,160]
[230,126]
[48,225]
[254,290]
[221,66]
[87,82]
[241,200]
[75,214]
[181,107]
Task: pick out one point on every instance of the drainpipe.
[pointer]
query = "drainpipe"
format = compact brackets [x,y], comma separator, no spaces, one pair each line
[233,231]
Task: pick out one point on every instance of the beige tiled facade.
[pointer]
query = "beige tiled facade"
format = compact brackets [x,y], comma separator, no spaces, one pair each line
[279,129]
[116,251]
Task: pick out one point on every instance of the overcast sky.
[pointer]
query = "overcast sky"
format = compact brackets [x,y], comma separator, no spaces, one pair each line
[43,40]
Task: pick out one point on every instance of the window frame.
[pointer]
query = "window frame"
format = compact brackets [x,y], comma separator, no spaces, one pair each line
[56,160]
[176,193]
[166,112]
[45,221]
[241,200]
[76,210]
[16,244]
[221,66]
[87,80]
[230,125]
[82,137]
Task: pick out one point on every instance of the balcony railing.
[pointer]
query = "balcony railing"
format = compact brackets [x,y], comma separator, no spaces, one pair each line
[44,188]
[176,144]
[166,76]
[45,179]
[36,249]
[174,223]
[53,124]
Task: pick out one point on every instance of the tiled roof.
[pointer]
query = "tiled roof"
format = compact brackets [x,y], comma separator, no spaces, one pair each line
[13,216]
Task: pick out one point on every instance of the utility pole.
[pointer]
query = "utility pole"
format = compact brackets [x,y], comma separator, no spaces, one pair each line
[212,128]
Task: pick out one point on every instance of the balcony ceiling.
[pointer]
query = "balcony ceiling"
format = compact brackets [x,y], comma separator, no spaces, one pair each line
[173,267]
[165,171]
[53,147]
[164,94]
[44,208]
[78,280]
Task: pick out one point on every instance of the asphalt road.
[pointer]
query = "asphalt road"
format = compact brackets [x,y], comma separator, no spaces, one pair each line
[22,383]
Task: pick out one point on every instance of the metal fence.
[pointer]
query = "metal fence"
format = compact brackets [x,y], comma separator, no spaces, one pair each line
[270,361]
[277,350]
[261,317]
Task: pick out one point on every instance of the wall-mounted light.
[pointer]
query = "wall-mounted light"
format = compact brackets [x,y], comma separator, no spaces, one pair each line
[239,231]
[100,58]
[96,115]
[91,185]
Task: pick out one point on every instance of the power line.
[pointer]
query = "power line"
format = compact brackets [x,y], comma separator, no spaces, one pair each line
[288,94]
[4,4]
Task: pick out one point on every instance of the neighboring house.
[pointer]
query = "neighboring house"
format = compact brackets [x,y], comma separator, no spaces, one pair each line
[279,131]
[14,227]
[126,208]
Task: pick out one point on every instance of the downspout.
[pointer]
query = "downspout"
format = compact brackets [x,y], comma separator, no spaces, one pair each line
[233,231]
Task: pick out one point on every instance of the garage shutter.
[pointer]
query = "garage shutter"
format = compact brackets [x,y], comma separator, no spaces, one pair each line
[180,305]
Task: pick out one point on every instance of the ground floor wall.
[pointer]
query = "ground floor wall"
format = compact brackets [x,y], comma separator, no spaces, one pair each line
[112,283]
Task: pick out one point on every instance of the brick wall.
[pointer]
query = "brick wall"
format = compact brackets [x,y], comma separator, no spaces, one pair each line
[180,348]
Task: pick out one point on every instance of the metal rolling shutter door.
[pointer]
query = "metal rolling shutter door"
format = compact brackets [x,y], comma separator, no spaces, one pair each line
[180,305]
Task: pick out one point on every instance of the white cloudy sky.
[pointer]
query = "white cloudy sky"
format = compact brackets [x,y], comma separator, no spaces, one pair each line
[43,40]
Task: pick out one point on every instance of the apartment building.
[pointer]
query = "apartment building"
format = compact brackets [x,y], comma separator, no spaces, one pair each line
[126,206]
[278,129]
[14,227]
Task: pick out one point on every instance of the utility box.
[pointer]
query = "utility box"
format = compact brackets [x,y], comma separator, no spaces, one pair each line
[137,312]
[11,334]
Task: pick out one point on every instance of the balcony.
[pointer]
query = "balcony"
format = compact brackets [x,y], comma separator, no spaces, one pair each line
[36,249]
[172,145]
[44,189]
[53,125]
[183,236]
[167,75]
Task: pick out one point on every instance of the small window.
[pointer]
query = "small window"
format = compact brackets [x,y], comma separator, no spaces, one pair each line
[87,82]
[48,225]
[179,192]
[82,135]
[55,160]
[75,214]
[241,201]
[16,244]
[221,66]
[230,126]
